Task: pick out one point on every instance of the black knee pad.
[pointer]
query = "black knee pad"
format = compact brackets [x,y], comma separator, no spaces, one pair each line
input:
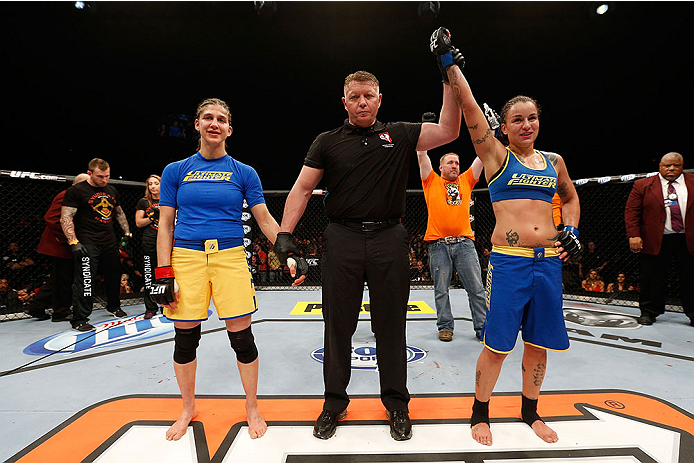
[243,344]
[186,343]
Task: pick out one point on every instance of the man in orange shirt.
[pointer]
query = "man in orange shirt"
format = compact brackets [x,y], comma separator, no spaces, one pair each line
[450,237]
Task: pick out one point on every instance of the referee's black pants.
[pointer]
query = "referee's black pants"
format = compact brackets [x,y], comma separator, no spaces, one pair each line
[380,258]
[107,260]
[654,271]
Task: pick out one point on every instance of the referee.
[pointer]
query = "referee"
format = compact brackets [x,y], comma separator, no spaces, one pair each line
[364,164]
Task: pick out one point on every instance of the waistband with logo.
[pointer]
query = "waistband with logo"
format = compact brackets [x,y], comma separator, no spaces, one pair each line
[199,245]
[535,253]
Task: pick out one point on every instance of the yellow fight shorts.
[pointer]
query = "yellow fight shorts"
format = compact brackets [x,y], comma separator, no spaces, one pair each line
[222,275]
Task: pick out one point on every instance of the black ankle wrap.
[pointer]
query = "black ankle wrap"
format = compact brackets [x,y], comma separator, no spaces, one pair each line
[529,411]
[480,412]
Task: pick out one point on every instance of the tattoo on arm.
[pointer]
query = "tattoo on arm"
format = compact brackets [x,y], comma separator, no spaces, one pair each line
[455,86]
[472,127]
[512,238]
[479,141]
[122,219]
[553,159]
[539,374]
[67,223]
[563,190]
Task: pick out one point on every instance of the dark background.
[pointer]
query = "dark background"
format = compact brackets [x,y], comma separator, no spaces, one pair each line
[615,89]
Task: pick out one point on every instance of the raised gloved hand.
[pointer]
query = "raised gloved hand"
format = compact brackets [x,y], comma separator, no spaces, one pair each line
[288,254]
[164,289]
[78,250]
[568,239]
[446,54]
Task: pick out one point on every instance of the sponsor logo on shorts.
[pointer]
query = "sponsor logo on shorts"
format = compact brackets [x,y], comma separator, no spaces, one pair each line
[364,355]
[207,175]
[110,333]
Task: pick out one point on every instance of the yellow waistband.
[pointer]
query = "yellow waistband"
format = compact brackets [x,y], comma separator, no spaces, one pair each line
[525,252]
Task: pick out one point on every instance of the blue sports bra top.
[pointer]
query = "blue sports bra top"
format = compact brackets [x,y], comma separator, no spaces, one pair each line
[515,180]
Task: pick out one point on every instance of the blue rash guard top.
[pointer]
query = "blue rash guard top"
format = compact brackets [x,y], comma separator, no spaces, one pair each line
[515,180]
[208,195]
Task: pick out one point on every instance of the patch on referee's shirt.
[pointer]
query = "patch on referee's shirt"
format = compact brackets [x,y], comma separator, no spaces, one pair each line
[316,308]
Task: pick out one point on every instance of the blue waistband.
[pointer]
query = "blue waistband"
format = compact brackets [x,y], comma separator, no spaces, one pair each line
[199,245]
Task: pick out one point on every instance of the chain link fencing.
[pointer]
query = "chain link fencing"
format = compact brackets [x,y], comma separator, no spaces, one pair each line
[25,197]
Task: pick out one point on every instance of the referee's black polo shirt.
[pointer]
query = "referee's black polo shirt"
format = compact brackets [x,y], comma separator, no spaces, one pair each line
[365,170]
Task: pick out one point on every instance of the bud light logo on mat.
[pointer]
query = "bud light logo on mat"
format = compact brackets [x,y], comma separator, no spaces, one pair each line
[364,355]
[109,333]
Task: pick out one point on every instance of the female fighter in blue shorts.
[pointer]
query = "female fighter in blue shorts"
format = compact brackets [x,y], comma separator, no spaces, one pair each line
[524,290]
[201,255]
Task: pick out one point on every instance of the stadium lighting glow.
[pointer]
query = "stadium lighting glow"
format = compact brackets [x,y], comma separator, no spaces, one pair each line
[602,9]
[79,5]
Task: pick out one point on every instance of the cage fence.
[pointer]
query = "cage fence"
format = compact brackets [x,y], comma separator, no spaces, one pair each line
[25,197]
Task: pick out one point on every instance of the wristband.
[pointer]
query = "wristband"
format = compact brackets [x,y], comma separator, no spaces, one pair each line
[72,243]
[571,229]
[164,272]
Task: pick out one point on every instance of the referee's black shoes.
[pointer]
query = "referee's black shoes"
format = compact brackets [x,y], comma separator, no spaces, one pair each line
[646,319]
[400,424]
[326,424]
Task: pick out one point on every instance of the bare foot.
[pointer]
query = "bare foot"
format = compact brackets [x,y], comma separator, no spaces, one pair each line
[482,434]
[179,428]
[544,432]
[256,423]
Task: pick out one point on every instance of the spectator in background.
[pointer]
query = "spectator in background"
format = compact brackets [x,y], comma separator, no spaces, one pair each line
[261,261]
[125,284]
[16,264]
[147,218]
[450,237]
[620,284]
[593,282]
[274,265]
[6,296]
[54,244]
[591,259]
[659,218]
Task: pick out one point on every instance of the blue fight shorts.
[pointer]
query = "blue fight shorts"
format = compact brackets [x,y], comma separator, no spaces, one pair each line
[524,292]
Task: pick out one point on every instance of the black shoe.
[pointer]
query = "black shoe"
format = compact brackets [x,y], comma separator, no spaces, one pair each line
[118,312]
[149,315]
[646,319]
[84,327]
[326,424]
[400,424]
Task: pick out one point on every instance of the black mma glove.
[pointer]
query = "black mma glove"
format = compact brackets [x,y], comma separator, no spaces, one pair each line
[164,287]
[78,250]
[125,240]
[152,213]
[569,241]
[446,54]
[429,117]
[286,249]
